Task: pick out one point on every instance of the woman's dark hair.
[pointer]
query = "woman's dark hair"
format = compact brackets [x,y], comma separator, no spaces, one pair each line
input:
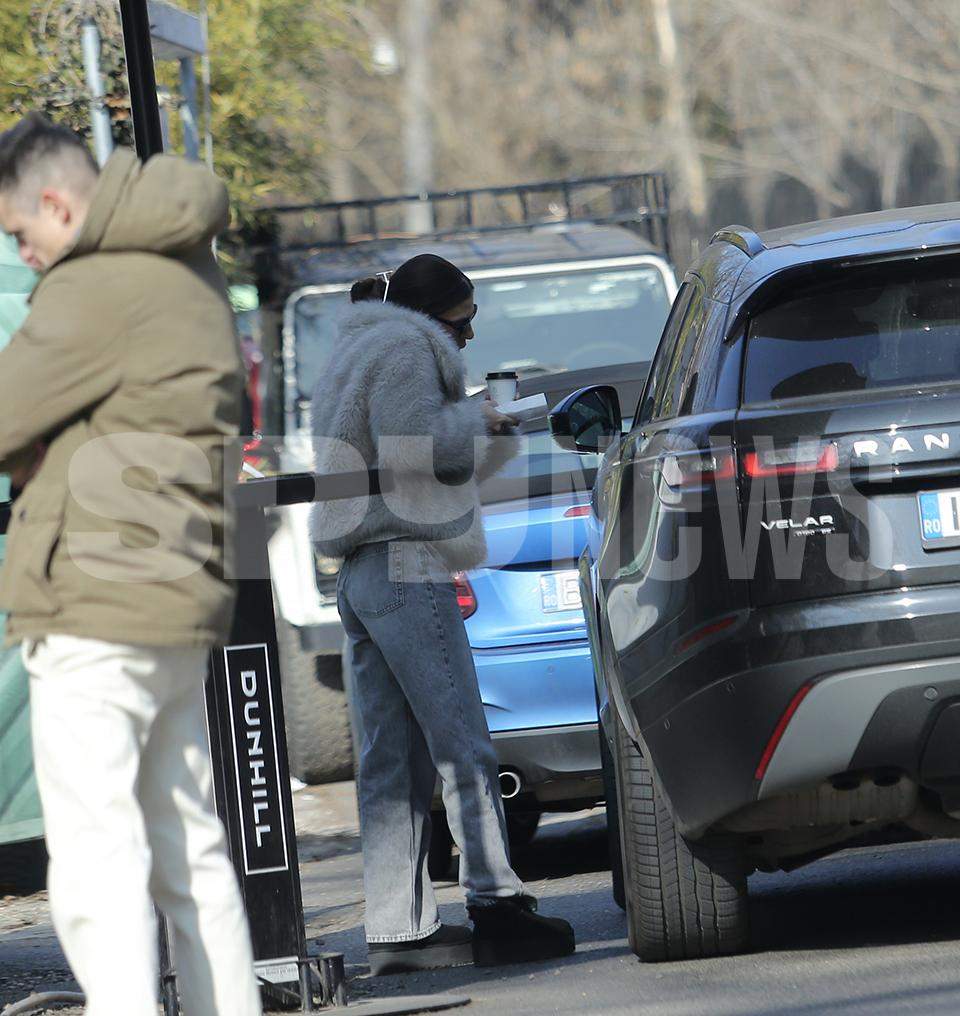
[367,289]
[426,283]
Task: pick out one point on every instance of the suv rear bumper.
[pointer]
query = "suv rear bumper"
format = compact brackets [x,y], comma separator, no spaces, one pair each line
[825,734]
[870,667]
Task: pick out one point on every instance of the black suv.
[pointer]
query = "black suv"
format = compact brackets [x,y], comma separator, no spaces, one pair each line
[772,582]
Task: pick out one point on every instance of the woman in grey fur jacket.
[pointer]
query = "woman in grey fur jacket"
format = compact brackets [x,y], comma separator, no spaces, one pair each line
[392,396]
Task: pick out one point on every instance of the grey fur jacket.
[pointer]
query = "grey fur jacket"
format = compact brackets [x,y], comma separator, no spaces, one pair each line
[392,395]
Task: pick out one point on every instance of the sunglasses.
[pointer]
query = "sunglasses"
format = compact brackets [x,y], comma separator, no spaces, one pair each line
[459,326]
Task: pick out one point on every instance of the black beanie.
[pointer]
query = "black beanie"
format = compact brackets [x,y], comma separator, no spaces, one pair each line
[429,284]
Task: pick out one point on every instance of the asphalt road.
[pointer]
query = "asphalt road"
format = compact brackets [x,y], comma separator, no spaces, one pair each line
[866,932]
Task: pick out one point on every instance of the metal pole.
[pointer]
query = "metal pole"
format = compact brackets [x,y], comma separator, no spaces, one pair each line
[142,79]
[168,976]
[99,117]
[205,78]
[417,117]
[188,109]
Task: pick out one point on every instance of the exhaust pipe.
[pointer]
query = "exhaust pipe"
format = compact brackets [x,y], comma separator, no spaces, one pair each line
[510,784]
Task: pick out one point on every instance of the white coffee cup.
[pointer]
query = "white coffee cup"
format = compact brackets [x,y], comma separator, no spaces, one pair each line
[502,386]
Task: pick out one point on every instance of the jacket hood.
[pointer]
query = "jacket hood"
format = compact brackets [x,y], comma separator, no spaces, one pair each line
[166,206]
[360,322]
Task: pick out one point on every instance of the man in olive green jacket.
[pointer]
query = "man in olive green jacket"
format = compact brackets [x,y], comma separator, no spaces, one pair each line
[120,392]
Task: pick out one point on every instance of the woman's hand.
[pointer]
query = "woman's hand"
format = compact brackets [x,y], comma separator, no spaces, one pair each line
[497,422]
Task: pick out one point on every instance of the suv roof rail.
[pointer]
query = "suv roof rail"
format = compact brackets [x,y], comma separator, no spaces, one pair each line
[743,237]
[639,201]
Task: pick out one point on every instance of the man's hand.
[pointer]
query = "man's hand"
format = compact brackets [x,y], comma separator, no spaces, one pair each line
[497,422]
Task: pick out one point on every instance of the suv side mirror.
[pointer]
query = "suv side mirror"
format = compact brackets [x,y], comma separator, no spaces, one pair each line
[589,420]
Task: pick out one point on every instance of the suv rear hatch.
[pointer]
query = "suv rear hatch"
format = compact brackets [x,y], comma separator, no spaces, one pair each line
[848,435]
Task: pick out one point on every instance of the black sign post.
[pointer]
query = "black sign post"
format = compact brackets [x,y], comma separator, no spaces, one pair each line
[252,781]
[141,77]
[247,741]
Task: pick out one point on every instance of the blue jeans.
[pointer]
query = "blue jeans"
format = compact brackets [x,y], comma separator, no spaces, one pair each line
[419,714]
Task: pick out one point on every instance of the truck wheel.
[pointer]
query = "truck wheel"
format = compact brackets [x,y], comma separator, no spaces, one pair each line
[315,709]
[440,855]
[685,899]
[614,849]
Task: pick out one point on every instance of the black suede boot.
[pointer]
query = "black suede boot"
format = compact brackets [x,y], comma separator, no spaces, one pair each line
[510,930]
[448,946]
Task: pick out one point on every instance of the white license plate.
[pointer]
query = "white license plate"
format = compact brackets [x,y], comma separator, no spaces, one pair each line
[939,518]
[560,590]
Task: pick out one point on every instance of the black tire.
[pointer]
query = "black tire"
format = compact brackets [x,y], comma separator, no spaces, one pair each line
[521,828]
[315,710]
[614,848]
[440,855]
[685,899]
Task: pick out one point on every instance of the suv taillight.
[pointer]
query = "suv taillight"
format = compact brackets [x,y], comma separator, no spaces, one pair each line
[801,458]
[698,469]
[465,596]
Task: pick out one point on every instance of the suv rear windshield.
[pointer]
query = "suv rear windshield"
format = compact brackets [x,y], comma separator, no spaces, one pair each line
[875,328]
[531,323]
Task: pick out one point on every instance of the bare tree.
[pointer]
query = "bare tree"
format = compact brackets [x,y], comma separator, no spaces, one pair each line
[678,112]
[768,110]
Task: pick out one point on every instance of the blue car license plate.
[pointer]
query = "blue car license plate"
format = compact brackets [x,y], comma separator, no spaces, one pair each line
[560,590]
[939,518]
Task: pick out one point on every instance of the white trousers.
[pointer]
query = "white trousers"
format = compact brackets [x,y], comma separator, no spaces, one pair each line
[123,769]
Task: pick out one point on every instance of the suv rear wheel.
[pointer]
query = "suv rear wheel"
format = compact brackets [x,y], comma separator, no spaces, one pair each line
[615,853]
[685,899]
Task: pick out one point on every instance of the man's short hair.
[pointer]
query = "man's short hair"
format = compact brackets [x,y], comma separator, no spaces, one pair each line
[37,153]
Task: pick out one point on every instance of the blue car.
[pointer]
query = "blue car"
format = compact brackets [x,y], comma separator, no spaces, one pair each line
[526,626]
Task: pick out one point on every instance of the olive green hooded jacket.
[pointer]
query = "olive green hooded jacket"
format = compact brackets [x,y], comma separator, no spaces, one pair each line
[128,370]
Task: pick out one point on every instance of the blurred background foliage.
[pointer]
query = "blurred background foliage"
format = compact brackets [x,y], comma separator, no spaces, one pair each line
[267,67]
[765,113]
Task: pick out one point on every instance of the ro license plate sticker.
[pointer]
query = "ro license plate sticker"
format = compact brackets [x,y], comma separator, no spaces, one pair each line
[560,591]
[940,518]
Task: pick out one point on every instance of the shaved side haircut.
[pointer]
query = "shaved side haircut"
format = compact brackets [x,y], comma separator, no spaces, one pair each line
[37,154]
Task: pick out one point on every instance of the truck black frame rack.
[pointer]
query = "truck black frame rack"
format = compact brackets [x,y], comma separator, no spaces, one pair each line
[638,201]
